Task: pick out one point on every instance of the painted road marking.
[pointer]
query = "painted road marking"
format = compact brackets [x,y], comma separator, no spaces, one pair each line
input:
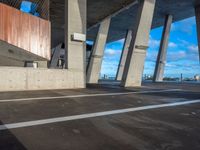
[86,95]
[92,115]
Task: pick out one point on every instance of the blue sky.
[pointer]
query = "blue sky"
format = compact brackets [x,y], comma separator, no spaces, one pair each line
[182,55]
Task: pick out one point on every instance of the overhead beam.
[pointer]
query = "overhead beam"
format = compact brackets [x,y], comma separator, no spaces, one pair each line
[114,14]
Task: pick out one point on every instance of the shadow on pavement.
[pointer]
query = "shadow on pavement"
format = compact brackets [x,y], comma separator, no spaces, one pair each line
[178,94]
[8,141]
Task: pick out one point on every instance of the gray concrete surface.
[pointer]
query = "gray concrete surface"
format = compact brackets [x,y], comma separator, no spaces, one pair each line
[75,22]
[162,55]
[99,9]
[95,63]
[134,66]
[16,79]
[9,51]
[174,128]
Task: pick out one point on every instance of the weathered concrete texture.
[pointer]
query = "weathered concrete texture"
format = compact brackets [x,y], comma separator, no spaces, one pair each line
[197,12]
[12,52]
[162,55]
[42,64]
[9,62]
[124,55]
[75,22]
[134,66]
[17,79]
[96,59]
[5,61]
[99,9]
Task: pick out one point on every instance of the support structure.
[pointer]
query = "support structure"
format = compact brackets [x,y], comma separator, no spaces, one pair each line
[75,23]
[134,66]
[124,55]
[197,13]
[94,68]
[161,59]
[55,56]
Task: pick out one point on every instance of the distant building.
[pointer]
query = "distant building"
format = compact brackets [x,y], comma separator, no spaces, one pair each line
[197,77]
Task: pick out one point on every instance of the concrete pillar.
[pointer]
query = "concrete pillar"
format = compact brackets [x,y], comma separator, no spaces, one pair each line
[75,23]
[197,12]
[161,59]
[124,55]
[134,66]
[95,63]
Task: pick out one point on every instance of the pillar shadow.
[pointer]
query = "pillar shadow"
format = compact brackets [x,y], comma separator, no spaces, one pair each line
[8,141]
[177,94]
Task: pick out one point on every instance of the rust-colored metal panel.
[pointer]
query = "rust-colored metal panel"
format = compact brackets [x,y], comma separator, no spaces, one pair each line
[1,23]
[44,38]
[15,30]
[25,31]
[5,23]
[42,9]
[34,26]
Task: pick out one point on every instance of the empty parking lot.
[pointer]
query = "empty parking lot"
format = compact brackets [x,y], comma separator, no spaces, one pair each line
[154,117]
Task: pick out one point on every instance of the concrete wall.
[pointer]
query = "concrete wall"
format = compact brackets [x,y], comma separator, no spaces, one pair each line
[22,79]
[5,61]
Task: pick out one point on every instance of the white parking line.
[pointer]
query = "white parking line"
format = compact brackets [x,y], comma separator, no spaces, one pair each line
[92,115]
[86,95]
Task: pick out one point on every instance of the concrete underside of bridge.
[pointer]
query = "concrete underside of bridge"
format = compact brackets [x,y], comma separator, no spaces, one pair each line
[97,10]
[84,17]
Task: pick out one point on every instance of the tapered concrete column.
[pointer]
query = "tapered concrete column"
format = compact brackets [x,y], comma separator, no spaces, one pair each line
[134,66]
[95,63]
[197,11]
[161,59]
[124,55]
[75,22]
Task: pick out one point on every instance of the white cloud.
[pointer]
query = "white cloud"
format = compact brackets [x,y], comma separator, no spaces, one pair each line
[193,48]
[154,43]
[175,56]
[185,26]
[152,56]
[172,45]
[112,52]
[171,65]
[183,43]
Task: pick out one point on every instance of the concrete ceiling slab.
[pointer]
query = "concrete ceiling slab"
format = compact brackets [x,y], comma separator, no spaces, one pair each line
[99,9]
